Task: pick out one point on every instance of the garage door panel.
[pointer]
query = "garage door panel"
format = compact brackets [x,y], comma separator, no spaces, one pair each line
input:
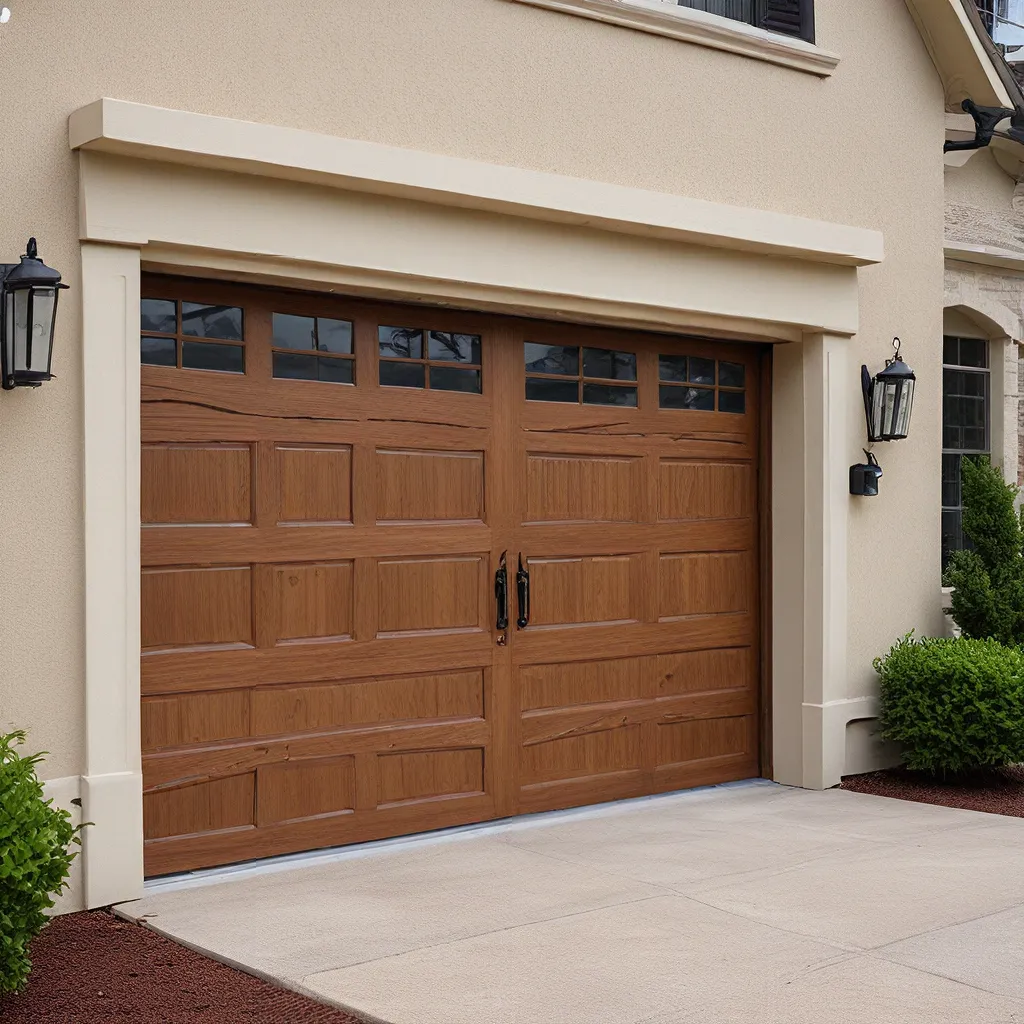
[705,490]
[697,671]
[581,756]
[209,806]
[423,485]
[305,789]
[545,540]
[183,720]
[294,709]
[704,583]
[420,595]
[583,682]
[313,601]
[429,775]
[314,483]
[584,590]
[583,488]
[196,607]
[197,484]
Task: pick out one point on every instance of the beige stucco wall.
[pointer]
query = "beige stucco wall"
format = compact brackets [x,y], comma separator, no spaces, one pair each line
[505,83]
[981,184]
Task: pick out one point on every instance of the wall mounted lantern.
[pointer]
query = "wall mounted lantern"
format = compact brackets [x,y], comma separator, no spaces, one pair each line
[888,403]
[889,398]
[28,310]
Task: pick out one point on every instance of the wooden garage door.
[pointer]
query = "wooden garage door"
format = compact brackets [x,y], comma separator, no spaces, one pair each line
[328,490]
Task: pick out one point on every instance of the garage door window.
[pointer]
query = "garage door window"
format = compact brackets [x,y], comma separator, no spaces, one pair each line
[697,383]
[313,348]
[591,376]
[192,335]
[412,357]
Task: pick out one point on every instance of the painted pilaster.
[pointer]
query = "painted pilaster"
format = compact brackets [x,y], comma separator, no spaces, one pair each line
[112,785]
[809,516]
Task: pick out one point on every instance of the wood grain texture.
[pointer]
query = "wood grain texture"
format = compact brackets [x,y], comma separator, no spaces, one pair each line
[193,484]
[321,664]
[582,488]
[189,607]
[420,486]
[314,601]
[314,483]
[429,774]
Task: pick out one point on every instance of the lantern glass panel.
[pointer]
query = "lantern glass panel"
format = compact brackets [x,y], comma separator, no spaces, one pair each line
[905,407]
[43,305]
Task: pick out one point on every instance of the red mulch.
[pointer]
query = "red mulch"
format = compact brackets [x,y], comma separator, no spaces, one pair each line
[95,967]
[998,791]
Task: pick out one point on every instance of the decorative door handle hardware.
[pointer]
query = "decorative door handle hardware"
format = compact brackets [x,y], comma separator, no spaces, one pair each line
[523,593]
[501,594]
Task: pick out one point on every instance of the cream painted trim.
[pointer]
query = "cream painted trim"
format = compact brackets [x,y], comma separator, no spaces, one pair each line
[984,255]
[958,54]
[666,18]
[176,136]
[810,510]
[112,785]
[451,254]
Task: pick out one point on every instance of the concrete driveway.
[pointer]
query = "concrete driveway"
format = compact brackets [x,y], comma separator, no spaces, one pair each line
[743,903]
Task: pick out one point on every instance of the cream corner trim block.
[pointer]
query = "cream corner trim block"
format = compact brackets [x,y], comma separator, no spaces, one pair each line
[175,136]
[663,18]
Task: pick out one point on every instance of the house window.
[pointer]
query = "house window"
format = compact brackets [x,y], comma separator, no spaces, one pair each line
[790,17]
[966,396]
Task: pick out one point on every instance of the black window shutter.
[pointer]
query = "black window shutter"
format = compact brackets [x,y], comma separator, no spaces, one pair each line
[790,17]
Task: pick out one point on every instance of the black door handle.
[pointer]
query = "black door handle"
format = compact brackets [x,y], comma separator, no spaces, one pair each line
[501,594]
[523,593]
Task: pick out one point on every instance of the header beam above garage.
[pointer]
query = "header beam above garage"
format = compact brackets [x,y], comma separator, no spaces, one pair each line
[199,140]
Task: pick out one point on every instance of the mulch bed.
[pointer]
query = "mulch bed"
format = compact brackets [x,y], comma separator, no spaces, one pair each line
[998,791]
[95,967]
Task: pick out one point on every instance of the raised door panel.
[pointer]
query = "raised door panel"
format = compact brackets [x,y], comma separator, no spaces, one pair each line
[314,483]
[429,774]
[705,490]
[297,709]
[582,488]
[181,720]
[705,583]
[313,601]
[196,484]
[703,671]
[192,607]
[202,807]
[429,486]
[582,682]
[294,790]
[573,591]
[572,757]
[417,595]
[704,740]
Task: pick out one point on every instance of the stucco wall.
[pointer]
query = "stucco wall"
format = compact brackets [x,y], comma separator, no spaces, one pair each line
[506,83]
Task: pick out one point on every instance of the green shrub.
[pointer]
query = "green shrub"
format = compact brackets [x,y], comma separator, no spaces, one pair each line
[954,705]
[34,858]
[988,582]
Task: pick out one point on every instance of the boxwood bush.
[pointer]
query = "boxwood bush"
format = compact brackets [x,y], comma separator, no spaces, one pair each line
[955,705]
[35,856]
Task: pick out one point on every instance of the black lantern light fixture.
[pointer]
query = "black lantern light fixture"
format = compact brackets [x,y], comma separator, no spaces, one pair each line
[888,403]
[889,398]
[28,310]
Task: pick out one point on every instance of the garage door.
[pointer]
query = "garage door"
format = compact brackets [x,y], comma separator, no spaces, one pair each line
[343,501]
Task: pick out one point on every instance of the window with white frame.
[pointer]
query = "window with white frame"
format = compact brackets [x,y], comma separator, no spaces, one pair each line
[966,426]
